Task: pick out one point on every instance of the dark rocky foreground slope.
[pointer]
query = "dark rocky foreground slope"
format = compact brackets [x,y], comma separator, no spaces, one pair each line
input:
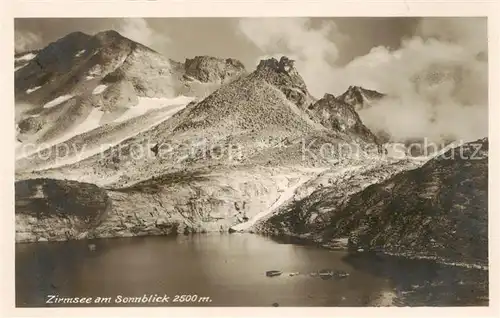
[48,209]
[439,210]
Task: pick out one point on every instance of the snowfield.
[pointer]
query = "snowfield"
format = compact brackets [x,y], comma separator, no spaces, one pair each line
[285,196]
[90,123]
[26,57]
[23,59]
[94,121]
[159,102]
[147,104]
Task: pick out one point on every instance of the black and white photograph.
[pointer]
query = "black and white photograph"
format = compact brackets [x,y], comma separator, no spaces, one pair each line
[251,161]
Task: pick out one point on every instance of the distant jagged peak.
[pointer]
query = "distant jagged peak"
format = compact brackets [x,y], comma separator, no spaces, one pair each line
[360,97]
[338,115]
[334,102]
[355,88]
[329,96]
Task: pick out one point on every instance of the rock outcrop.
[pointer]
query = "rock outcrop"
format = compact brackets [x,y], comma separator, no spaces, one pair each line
[308,213]
[283,75]
[48,210]
[212,69]
[340,116]
[437,211]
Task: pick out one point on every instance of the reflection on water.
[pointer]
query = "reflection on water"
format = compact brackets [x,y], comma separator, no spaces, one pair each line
[230,270]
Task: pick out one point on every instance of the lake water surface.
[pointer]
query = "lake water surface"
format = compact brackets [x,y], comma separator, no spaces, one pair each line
[229,270]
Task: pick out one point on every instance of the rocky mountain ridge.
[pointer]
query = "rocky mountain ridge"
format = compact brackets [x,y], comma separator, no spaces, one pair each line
[59,87]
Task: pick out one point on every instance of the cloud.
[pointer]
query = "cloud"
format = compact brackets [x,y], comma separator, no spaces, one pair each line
[311,47]
[25,40]
[437,78]
[138,29]
[470,33]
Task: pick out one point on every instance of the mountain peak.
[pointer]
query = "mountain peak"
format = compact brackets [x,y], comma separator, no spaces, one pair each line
[283,75]
[108,34]
[340,116]
[77,34]
[112,38]
[360,97]
[71,41]
[284,66]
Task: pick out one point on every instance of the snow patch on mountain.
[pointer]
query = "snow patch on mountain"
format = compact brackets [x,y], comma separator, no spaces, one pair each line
[57,101]
[31,90]
[166,107]
[91,122]
[80,53]
[147,104]
[285,195]
[23,60]
[99,89]
[96,150]
[26,57]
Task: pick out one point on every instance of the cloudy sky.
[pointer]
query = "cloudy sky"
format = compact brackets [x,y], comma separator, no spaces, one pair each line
[180,38]
[436,67]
